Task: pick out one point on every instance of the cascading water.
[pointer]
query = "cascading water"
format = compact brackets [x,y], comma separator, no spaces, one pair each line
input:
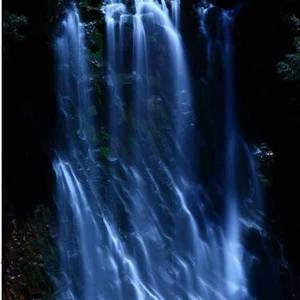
[233,258]
[76,172]
[175,12]
[152,233]
[167,210]
[241,187]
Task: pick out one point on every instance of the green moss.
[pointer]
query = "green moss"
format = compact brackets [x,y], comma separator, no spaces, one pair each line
[93,110]
[96,55]
[104,152]
[98,40]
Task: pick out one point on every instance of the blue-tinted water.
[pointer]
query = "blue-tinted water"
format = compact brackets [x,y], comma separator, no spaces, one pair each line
[143,226]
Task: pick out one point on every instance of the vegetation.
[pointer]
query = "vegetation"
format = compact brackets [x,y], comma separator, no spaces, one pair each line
[13,27]
[31,256]
[289,69]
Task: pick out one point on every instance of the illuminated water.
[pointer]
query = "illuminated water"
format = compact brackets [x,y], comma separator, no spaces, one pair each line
[152,232]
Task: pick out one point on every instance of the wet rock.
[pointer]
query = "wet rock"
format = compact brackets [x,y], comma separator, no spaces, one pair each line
[210,19]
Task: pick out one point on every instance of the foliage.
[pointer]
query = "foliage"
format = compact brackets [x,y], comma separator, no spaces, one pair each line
[265,161]
[289,69]
[13,26]
[292,21]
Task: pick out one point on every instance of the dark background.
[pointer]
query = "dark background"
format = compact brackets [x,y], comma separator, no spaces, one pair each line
[28,110]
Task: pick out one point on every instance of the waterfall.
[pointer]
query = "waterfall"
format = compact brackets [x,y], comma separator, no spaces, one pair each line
[175,12]
[153,231]
[241,188]
[233,258]
[77,174]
